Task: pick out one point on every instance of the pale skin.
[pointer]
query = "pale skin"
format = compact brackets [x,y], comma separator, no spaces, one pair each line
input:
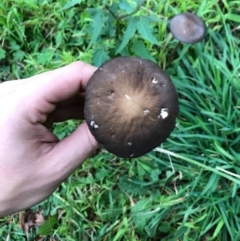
[33,162]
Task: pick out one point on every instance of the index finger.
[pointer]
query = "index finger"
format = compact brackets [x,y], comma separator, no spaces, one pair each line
[44,91]
[60,84]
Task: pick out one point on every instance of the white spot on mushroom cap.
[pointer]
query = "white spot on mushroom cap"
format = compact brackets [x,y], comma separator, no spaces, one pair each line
[145,112]
[131,155]
[95,126]
[163,113]
[127,96]
[111,96]
[140,61]
[129,143]
[154,80]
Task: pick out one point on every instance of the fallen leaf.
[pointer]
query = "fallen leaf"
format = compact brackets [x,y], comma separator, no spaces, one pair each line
[31,219]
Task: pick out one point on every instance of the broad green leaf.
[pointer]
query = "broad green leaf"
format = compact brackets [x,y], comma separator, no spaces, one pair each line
[48,226]
[155,174]
[45,56]
[99,57]
[2,53]
[129,33]
[71,3]
[145,30]
[18,55]
[139,49]
[139,2]
[101,173]
[96,27]
[142,212]
[127,6]
[165,227]
[59,38]
[14,45]
[130,187]
[141,206]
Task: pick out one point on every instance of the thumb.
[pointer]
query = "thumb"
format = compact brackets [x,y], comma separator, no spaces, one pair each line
[70,153]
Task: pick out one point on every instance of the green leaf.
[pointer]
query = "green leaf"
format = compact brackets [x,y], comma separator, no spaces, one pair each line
[155,174]
[2,53]
[120,233]
[59,38]
[48,226]
[145,30]
[14,45]
[141,213]
[218,228]
[141,206]
[96,27]
[101,173]
[18,55]
[99,57]
[127,6]
[165,227]
[45,56]
[131,187]
[140,50]
[129,33]
[71,3]
[233,17]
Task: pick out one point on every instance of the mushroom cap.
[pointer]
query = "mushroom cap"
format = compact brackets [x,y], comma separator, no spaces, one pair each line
[188,28]
[131,106]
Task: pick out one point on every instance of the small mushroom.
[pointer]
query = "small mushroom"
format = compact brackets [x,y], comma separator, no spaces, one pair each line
[138,106]
[188,28]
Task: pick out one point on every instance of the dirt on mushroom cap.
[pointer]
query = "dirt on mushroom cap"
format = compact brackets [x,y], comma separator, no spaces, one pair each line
[130,106]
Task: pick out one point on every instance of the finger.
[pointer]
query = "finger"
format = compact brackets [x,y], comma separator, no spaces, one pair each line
[70,153]
[64,113]
[68,112]
[70,109]
[50,88]
[60,84]
[77,99]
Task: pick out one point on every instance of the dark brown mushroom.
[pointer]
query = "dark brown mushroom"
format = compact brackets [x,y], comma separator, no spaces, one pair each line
[188,28]
[131,106]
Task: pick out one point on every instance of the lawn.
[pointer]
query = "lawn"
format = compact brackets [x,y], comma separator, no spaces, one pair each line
[187,189]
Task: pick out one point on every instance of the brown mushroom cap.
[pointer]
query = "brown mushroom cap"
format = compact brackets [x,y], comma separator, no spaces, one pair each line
[188,28]
[130,106]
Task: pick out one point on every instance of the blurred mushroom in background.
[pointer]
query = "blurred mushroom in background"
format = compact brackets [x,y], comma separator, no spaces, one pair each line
[188,28]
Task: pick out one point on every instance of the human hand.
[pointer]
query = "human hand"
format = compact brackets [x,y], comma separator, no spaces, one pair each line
[33,162]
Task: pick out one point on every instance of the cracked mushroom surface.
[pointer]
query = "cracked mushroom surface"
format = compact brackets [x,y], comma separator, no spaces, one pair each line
[131,106]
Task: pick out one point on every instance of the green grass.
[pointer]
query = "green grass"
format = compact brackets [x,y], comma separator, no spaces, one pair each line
[187,189]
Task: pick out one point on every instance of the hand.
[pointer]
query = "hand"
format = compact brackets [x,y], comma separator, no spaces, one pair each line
[33,162]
